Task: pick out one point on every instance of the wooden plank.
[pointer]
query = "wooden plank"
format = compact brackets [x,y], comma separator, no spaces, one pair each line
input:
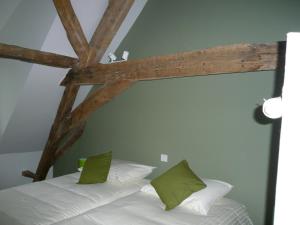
[36,56]
[72,26]
[218,60]
[96,100]
[107,28]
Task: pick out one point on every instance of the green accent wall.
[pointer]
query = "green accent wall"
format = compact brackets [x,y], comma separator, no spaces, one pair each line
[214,122]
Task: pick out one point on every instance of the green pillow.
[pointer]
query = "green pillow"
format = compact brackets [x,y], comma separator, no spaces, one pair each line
[95,169]
[177,184]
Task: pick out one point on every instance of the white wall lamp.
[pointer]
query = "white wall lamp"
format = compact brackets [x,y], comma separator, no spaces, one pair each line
[113,58]
[272,107]
[125,55]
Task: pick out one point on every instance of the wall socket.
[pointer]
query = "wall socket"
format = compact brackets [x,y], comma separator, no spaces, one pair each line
[164,158]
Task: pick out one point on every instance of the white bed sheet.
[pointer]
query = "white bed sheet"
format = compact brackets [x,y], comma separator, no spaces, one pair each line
[54,200]
[142,209]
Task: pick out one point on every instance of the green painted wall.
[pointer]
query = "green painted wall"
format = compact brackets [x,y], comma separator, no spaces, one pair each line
[210,121]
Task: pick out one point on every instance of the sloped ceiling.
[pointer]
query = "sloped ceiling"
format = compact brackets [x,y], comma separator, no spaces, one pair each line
[35,108]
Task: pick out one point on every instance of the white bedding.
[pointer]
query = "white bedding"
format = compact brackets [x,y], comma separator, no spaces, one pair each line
[142,209]
[60,201]
[54,200]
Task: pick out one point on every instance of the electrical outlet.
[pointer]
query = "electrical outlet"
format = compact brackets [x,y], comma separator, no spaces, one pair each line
[164,158]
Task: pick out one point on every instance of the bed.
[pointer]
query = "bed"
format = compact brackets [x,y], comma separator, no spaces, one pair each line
[54,200]
[126,198]
[142,209]
[60,201]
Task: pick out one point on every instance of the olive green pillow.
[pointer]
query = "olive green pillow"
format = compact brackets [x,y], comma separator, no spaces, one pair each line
[177,184]
[95,169]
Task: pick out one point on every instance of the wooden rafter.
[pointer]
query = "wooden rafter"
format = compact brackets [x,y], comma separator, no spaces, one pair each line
[109,25]
[64,109]
[73,29]
[117,77]
[36,56]
[218,60]
[88,54]
[78,41]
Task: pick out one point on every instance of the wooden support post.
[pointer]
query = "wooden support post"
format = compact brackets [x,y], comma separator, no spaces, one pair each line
[89,54]
[117,77]
[64,109]
[73,29]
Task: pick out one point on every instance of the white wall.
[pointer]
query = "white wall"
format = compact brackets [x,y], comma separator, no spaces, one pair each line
[12,165]
[7,9]
[19,26]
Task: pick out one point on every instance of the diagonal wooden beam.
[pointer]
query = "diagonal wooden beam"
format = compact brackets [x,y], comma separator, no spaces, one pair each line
[75,135]
[64,109]
[107,28]
[88,54]
[102,37]
[218,60]
[36,56]
[72,26]
[96,100]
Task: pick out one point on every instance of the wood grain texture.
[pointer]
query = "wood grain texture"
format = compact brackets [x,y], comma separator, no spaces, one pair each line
[57,129]
[107,28]
[88,54]
[72,26]
[36,56]
[218,60]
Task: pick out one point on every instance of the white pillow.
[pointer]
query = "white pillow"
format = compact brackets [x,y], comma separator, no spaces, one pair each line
[199,202]
[125,171]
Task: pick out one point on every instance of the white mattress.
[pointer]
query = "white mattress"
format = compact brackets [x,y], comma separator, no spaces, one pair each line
[60,201]
[142,209]
[57,199]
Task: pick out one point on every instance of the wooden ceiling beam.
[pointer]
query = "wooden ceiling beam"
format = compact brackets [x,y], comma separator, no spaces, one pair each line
[107,28]
[65,128]
[36,56]
[218,60]
[72,27]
